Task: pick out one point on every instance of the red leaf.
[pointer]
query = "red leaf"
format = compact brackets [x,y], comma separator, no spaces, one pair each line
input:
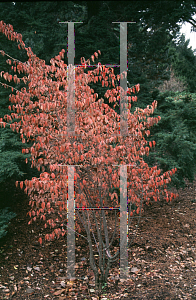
[110,170]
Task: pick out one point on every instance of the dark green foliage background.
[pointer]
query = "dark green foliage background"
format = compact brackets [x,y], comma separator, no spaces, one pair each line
[175,136]
[5,217]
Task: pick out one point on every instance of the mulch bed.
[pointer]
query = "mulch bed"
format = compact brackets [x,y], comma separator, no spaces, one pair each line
[162,258]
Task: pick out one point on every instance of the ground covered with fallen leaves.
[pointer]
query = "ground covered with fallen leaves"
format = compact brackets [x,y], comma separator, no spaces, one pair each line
[162,258]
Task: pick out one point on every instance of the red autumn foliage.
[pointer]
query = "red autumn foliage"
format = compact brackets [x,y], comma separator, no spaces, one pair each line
[96,145]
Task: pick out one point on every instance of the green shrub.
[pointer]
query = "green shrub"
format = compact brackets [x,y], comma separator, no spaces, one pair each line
[5,217]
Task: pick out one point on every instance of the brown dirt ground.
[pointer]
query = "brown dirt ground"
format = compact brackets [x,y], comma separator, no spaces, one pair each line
[162,258]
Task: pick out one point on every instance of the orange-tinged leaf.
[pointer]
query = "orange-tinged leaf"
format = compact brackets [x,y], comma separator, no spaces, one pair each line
[21,184]
[59,292]
[114,177]
[76,157]
[109,169]
[83,203]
